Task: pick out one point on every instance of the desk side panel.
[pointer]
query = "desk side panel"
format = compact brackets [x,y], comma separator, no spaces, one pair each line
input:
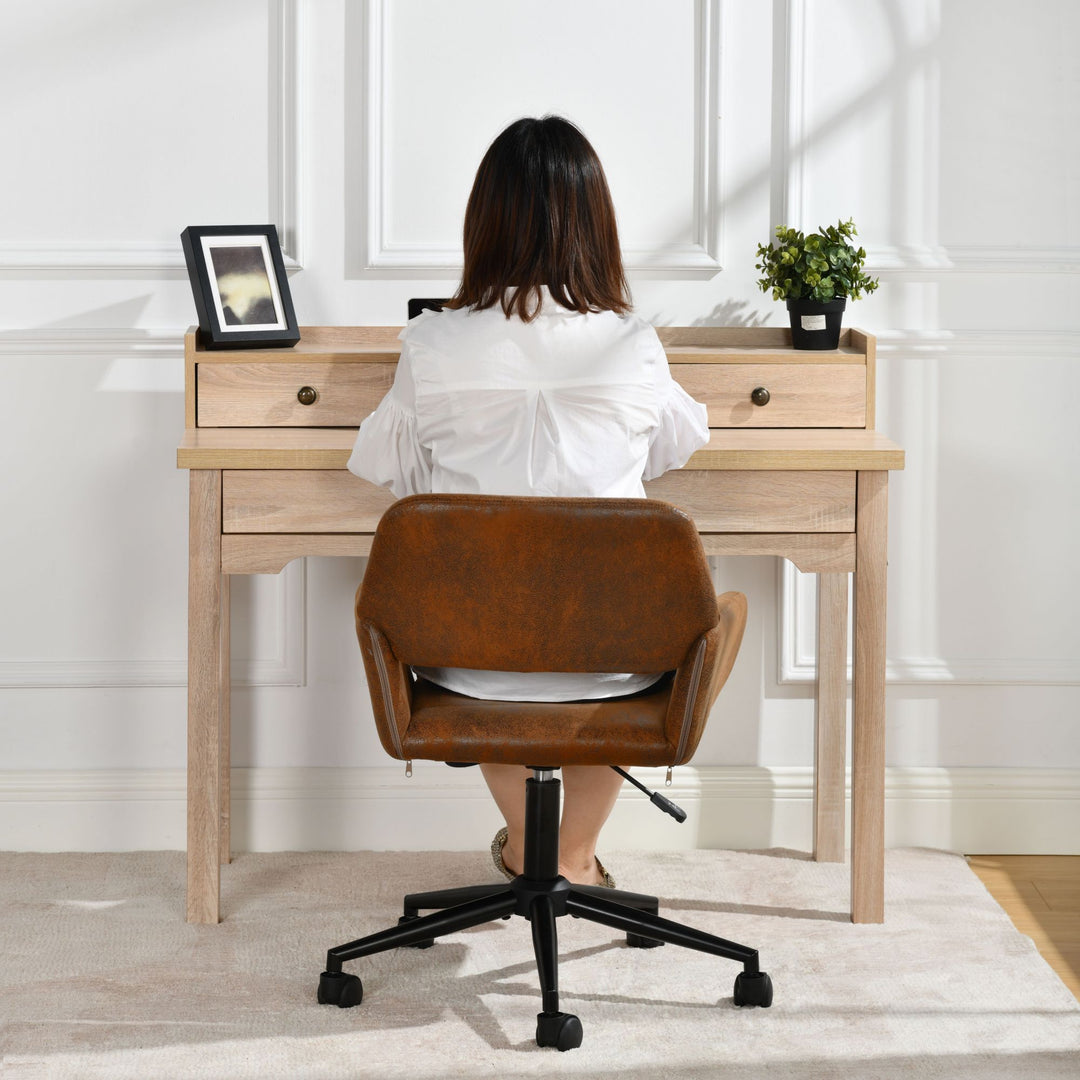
[190,413]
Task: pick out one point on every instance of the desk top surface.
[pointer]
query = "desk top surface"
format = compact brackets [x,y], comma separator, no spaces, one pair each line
[683,344]
[759,449]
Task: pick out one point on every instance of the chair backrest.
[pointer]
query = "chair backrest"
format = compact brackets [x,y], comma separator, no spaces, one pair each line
[517,583]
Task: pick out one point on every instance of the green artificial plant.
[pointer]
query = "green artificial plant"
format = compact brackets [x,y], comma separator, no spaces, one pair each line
[823,266]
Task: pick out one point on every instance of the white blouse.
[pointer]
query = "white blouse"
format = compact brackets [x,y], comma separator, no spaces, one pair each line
[569,404]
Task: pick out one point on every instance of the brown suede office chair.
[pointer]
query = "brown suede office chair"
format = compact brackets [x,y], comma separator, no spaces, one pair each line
[542,584]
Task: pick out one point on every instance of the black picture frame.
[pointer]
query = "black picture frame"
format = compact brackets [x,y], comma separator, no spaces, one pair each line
[241,291]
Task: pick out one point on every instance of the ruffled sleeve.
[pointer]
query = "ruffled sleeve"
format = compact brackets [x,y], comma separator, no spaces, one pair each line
[387,450]
[683,426]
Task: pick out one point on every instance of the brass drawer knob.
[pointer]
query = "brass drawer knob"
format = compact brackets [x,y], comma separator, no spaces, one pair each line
[308,395]
[760,396]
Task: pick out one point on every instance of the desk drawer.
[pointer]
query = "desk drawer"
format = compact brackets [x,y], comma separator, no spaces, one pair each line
[800,395]
[335,501]
[265,395]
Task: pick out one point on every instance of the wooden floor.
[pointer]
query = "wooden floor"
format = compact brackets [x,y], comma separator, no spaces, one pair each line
[1041,894]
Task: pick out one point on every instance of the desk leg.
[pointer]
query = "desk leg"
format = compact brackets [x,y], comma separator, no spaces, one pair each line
[868,701]
[205,691]
[225,742]
[830,717]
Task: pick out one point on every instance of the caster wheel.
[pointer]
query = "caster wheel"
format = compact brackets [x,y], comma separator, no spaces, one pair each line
[426,943]
[636,941]
[753,989]
[337,988]
[561,1030]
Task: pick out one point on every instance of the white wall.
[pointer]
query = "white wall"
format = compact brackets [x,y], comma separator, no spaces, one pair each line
[945,127]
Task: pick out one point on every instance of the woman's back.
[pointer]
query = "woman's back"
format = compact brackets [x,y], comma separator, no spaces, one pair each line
[570,404]
[563,405]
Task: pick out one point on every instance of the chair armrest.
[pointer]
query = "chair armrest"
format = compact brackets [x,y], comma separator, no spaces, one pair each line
[701,676]
[390,685]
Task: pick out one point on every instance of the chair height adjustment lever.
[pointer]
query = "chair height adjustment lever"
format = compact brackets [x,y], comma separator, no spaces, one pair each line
[658,800]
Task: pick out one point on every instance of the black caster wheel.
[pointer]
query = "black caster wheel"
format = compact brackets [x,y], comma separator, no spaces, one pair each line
[337,988]
[753,989]
[637,941]
[561,1030]
[426,943]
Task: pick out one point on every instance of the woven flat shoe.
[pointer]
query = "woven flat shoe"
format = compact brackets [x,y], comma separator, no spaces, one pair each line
[497,845]
[605,878]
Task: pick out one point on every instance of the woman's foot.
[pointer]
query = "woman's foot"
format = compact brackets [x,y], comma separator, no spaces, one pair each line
[587,872]
[506,860]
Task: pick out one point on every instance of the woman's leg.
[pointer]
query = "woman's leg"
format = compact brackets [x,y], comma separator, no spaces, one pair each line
[507,786]
[589,794]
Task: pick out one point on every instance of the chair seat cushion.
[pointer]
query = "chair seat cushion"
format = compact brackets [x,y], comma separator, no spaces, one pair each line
[446,726]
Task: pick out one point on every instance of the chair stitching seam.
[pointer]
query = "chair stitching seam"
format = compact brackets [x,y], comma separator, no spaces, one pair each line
[384,683]
[691,698]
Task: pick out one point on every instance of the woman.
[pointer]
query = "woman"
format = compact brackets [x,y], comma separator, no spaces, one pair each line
[535,379]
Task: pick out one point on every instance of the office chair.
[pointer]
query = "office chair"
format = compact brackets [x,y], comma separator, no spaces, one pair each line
[542,584]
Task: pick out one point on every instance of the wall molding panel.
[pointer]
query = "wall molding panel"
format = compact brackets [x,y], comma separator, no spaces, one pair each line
[60,342]
[287,37]
[797,651]
[1017,810]
[1004,345]
[793,137]
[383,253]
[973,259]
[796,592]
[285,666]
[106,257]
[150,361]
[789,113]
[798,654]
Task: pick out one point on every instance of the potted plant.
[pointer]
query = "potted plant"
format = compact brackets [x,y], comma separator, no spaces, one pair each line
[816,275]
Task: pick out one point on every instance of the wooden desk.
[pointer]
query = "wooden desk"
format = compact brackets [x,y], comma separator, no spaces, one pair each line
[803,476]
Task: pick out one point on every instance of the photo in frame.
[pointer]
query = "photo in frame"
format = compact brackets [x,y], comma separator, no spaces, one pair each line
[241,291]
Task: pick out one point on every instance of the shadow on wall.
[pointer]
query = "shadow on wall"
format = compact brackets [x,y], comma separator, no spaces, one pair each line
[732,313]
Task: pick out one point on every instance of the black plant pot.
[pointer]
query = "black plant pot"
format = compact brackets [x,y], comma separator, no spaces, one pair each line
[815,324]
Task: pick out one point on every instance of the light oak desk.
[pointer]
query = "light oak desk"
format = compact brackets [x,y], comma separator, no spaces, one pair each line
[794,468]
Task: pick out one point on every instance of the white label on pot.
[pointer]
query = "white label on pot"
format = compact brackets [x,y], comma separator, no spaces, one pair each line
[813,322]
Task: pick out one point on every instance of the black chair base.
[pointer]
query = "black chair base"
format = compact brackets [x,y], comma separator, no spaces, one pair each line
[540,895]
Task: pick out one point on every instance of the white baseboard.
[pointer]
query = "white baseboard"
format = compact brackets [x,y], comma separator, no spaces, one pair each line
[1003,811]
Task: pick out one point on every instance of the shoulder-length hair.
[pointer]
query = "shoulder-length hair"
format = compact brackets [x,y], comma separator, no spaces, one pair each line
[540,213]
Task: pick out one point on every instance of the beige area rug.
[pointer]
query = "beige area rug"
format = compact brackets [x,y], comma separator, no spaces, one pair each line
[100,977]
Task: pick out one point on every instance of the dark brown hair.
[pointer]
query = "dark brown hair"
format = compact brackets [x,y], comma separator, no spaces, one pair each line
[540,213]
